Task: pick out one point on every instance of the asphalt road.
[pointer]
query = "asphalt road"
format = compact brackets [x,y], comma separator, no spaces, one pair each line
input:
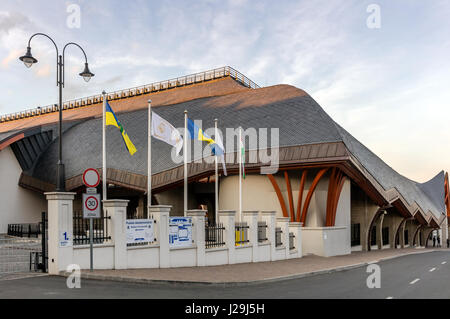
[413,276]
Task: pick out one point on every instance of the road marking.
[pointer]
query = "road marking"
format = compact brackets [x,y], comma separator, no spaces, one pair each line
[443,263]
[432,269]
[414,281]
[390,298]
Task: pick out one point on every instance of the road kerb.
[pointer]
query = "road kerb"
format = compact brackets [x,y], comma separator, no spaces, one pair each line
[91,276]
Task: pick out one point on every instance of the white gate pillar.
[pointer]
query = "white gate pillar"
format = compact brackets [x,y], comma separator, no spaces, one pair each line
[283,223]
[227,217]
[198,221]
[269,218]
[161,214]
[60,231]
[117,210]
[296,229]
[251,217]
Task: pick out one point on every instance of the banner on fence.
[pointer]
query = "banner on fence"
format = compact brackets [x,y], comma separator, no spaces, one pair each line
[140,231]
[180,231]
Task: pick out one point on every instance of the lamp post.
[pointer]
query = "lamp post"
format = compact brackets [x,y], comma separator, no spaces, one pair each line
[29,60]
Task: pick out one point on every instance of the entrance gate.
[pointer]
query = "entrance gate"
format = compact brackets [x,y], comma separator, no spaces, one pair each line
[23,254]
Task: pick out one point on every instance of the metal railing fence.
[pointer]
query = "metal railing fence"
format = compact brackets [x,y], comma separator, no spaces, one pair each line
[291,241]
[214,235]
[81,229]
[278,241]
[241,233]
[24,230]
[262,231]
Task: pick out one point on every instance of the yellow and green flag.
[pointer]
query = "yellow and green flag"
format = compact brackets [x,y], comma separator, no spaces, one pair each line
[111,119]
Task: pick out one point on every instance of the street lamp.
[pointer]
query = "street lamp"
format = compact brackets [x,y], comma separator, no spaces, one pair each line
[29,60]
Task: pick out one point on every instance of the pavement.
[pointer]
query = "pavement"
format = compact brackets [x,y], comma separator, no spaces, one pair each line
[247,273]
[415,275]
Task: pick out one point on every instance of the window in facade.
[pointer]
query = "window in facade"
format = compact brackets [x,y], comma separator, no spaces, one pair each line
[356,235]
[385,232]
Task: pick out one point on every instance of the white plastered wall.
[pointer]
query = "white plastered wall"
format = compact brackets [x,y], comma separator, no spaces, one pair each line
[18,205]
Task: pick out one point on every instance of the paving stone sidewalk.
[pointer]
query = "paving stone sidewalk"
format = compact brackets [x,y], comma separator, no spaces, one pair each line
[253,272]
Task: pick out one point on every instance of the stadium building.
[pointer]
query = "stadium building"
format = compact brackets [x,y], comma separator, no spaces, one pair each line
[347,198]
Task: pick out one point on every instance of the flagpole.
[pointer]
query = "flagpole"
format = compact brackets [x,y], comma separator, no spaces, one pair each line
[149,160]
[240,174]
[104,184]
[185,164]
[217,176]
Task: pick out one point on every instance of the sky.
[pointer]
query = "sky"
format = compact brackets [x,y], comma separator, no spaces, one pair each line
[379,68]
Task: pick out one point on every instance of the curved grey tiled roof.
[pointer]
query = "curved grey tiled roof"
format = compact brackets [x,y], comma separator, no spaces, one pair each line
[300,119]
[82,143]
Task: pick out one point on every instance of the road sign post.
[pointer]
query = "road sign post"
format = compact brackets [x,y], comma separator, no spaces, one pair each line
[91,205]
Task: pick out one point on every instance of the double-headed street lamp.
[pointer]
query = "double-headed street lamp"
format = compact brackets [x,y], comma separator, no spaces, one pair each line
[29,60]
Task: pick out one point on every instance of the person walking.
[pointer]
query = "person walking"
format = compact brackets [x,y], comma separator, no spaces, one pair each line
[434,241]
[438,241]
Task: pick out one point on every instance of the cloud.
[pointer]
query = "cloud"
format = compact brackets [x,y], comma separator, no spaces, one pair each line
[42,71]
[12,20]
[12,56]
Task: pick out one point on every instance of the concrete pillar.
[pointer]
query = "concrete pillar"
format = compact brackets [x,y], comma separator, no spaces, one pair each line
[426,233]
[60,231]
[444,231]
[416,238]
[269,218]
[401,233]
[251,218]
[117,210]
[160,214]
[198,233]
[296,229]
[394,224]
[228,219]
[380,231]
[283,223]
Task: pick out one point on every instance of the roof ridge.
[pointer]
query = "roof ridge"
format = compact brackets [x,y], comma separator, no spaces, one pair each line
[153,87]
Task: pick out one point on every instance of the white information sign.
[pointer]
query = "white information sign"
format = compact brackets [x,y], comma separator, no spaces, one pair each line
[180,231]
[91,205]
[140,231]
[64,240]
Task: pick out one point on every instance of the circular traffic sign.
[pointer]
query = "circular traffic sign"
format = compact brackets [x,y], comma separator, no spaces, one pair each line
[91,178]
[91,203]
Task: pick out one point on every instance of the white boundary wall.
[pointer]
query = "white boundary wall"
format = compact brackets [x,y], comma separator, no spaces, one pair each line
[19,205]
[116,255]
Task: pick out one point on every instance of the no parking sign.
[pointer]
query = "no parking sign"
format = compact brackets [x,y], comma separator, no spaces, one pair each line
[91,205]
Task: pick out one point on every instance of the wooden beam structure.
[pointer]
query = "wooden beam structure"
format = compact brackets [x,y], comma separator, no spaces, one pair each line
[310,193]
[291,200]
[300,194]
[279,195]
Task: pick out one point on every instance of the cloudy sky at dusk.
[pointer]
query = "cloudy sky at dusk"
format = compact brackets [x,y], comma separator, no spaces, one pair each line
[387,86]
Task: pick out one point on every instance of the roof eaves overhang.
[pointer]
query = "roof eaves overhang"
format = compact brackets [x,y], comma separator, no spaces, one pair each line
[420,216]
[290,157]
[11,139]
[393,196]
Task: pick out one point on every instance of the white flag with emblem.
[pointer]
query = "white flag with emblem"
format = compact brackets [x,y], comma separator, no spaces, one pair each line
[164,131]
